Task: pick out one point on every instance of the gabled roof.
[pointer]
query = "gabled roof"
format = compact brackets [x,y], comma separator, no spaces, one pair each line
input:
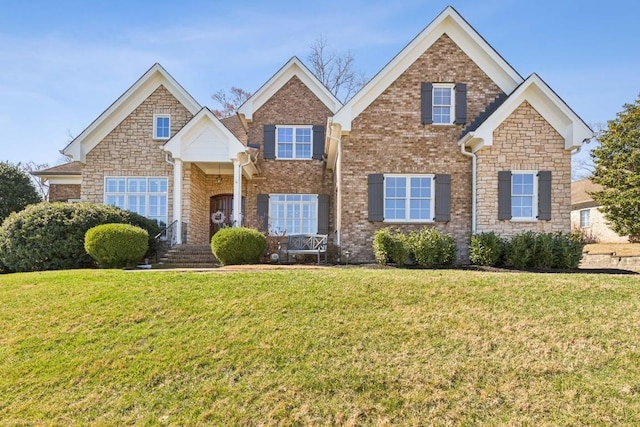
[124,105]
[546,102]
[294,67]
[206,140]
[581,193]
[464,35]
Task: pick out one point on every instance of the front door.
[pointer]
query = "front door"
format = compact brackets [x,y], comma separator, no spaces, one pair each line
[220,212]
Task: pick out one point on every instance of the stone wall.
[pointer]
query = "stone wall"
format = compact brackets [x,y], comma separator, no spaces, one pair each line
[130,150]
[63,192]
[388,137]
[524,141]
[293,104]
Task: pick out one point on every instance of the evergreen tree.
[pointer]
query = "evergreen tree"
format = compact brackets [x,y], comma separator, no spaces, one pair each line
[617,169]
[16,190]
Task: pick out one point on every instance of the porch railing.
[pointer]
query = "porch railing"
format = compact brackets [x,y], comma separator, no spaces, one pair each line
[167,238]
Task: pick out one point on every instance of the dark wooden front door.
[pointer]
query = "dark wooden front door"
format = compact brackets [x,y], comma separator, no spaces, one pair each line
[220,208]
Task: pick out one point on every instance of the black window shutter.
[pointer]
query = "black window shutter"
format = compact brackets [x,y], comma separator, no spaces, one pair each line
[269,141]
[375,184]
[318,142]
[263,212]
[323,214]
[426,105]
[461,103]
[504,195]
[442,198]
[544,195]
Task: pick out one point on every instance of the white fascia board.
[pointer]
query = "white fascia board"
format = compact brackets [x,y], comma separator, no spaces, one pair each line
[186,136]
[62,179]
[547,103]
[470,42]
[124,105]
[294,67]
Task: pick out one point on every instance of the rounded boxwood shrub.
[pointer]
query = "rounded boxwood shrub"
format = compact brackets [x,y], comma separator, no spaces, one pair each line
[431,247]
[50,236]
[116,245]
[238,245]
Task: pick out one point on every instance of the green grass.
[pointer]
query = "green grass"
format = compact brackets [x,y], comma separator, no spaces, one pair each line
[319,347]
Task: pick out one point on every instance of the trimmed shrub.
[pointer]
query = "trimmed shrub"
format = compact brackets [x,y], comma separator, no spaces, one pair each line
[543,251]
[568,249]
[390,246]
[116,245]
[238,245]
[430,247]
[486,249]
[518,251]
[50,236]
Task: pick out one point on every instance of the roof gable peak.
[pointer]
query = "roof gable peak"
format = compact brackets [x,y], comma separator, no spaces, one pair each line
[293,67]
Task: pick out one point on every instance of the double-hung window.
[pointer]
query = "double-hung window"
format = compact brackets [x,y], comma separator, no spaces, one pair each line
[443,103]
[161,126]
[408,198]
[146,196]
[523,195]
[293,214]
[294,142]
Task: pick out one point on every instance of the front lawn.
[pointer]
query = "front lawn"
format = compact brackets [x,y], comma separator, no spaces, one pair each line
[345,346]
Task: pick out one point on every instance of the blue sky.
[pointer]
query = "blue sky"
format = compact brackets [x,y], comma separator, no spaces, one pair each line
[63,63]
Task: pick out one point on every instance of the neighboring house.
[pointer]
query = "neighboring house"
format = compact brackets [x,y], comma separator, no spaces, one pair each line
[447,135]
[587,218]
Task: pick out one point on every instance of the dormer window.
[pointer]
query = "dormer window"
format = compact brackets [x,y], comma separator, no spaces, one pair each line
[161,126]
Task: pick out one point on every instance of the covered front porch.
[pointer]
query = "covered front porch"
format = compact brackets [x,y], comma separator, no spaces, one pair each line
[211,167]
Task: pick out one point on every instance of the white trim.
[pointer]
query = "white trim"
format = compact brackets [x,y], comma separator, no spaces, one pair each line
[588,212]
[285,202]
[146,194]
[534,202]
[407,198]
[294,67]
[155,126]
[177,199]
[237,194]
[466,37]
[451,105]
[546,102]
[294,142]
[155,77]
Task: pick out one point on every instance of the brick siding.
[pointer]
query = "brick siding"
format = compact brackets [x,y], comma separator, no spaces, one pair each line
[63,192]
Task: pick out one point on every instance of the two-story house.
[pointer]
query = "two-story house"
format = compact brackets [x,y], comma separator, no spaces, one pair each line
[447,135]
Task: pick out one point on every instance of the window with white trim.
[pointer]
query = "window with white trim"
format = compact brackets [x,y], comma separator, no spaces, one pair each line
[443,103]
[408,198]
[146,196]
[161,126]
[294,142]
[293,214]
[585,218]
[524,204]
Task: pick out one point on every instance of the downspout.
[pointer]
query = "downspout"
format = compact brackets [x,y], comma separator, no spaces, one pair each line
[473,187]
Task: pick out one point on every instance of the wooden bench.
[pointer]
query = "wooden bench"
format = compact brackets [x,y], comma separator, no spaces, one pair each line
[304,244]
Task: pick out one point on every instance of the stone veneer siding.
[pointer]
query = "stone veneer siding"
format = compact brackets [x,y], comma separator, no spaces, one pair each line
[293,104]
[130,150]
[63,192]
[524,141]
[388,137]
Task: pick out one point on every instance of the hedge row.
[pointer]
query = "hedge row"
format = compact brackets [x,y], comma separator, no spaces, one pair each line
[527,250]
[427,247]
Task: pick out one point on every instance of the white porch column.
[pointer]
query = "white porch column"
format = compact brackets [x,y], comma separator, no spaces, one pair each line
[177,199]
[237,194]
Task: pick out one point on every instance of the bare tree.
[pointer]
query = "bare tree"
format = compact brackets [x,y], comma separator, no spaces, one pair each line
[582,162]
[335,70]
[41,186]
[229,101]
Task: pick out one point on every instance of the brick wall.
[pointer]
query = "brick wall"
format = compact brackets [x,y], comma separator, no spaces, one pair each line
[130,150]
[63,192]
[388,137]
[293,104]
[524,141]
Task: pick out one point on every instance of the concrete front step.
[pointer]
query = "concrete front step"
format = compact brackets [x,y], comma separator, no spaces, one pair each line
[188,256]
